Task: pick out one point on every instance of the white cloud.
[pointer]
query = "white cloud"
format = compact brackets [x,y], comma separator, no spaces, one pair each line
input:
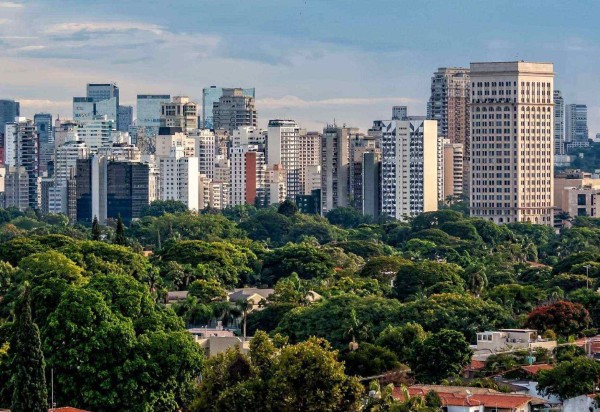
[10,5]
[30,48]
[297,102]
[103,27]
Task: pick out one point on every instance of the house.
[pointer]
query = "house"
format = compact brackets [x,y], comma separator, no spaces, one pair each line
[468,399]
[176,296]
[217,340]
[251,295]
[507,340]
[526,377]
[583,403]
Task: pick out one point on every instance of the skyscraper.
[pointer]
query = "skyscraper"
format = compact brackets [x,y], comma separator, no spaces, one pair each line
[102,99]
[43,125]
[179,178]
[9,109]
[179,112]
[149,109]
[247,175]
[283,149]
[409,167]
[234,109]
[335,167]
[210,96]
[576,126]
[124,118]
[309,144]
[559,124]
[449,104]
[512,139]
[22,151]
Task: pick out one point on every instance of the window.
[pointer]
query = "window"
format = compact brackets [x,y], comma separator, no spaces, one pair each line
[581,201]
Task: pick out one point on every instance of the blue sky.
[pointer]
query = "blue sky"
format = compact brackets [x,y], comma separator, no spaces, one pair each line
[310,60]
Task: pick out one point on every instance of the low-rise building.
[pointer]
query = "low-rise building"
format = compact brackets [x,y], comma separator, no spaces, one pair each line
[506,340]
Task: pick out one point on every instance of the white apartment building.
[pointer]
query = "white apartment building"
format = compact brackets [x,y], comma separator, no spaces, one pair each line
[179,178]
[512,123]
[205,148]
[179,112]
[64,167]
[164,142]
[66,131]
[283,147]
[453,170]
[310,156]
[247,178]
[248,135]
[275,183]
[97,133]
[409,171]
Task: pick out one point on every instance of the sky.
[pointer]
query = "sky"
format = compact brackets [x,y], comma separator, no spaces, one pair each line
[315,61]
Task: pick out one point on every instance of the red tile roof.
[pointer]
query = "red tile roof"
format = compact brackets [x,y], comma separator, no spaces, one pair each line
[533,369]
[476,365]
[491,400]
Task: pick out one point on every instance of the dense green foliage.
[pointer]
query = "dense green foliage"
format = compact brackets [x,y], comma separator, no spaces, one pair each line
[380,296]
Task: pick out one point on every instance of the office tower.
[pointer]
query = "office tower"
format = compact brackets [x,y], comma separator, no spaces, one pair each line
[43,125]
[173,136]
[559,124]
[275,185]
[210,96]
[97,133]
[149,109]
[283,148]
[409,165]
[127,189]
[21,145]
[453,171]
[399,112]
[102,99]
[576,127]
[179,112]
[205,150]
[247,178]
[309,144]
[370,188]
[359,145]
[234,109]
[121,152]
[512,139]
[102,91]
[179,177]
[249,135]
[9,110]
[335,166]
[90,179]
[449,104]
[124,118]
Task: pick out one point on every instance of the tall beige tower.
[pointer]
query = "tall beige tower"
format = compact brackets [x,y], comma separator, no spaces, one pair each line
[512,123]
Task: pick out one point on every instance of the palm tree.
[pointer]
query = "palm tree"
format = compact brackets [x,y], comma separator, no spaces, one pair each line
[356,329]
[244,307]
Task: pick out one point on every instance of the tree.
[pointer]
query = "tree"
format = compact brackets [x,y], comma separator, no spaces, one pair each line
[244,306]
[96,231]
[303,258]
[27,361]
[287,208]
[405,341]
[569,379]
[383,268]
[565,353]
[421,275]
[443,354]
[564,318]
[161,207]
[207,290]
[120,238]
[369,360]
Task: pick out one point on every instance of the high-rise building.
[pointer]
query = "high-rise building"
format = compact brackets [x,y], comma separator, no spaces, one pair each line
[179,178]
[559,124]
[102,99]
[210,96]
[370,187]
[449,104]
[359,145]
[43,125]
[90,190]
[173,136]
[149,109]
[97,133]
[16,187]
[22,150]
[234,109]
[283,148]
[124,118]
[9,110]
[309,144]
[576,127]
[249,135]
[512,138]
[247,175]
[275,185]
[65,166]
[180,112]
[399,112]
[127,190]
[102,91]
[67,131]
[205,150]
[409,167]
[453,171]
[335,167]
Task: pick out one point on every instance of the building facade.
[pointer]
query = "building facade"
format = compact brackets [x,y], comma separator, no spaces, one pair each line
[576,127]
[453,171]
[335,167]
[179,178]
[43,125]
[247,177]
[283,148]
[210,96]
[512,142]
[559,124]
[179,112]
[234,109]
[309,144]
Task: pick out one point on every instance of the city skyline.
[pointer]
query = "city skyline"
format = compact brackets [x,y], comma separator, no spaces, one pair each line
[309,60]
